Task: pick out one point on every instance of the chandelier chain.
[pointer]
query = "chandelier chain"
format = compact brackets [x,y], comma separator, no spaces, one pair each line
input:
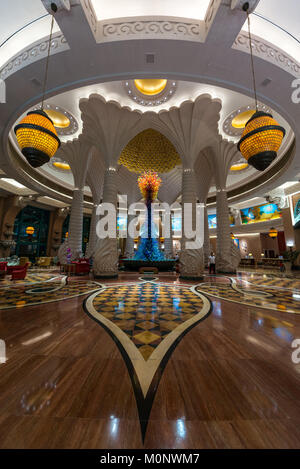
[252,60]
[47,62]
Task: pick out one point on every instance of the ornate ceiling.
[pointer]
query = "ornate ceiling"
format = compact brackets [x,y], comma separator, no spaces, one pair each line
[198,48]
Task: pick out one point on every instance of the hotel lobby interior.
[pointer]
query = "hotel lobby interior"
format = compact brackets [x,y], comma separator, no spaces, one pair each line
[142,341]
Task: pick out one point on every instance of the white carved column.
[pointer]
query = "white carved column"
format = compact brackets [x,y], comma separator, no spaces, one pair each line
[224,241]
[228,255]
[169,247]
[129,251]
[206,245]
[168,240]
[106,256]
[93,234]
[78,154]
[75,224]
[191,260]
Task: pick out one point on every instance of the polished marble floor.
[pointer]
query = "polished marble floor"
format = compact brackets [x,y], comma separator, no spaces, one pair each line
[76,376]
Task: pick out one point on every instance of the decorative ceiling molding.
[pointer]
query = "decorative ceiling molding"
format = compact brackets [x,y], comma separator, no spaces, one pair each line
[150,28]
[35,52]
[211,13]
[267,51]
[90,14]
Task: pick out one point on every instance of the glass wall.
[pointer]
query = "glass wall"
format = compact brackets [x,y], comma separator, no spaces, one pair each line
[85,231]
[34,243]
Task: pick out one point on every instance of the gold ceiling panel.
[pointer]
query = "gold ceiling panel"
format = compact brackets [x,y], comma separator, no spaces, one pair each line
[59,119]
[149,150]
[241,119]
[150,86]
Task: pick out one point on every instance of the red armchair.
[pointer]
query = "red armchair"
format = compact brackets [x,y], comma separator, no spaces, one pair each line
[3,267]
[19,273]
[12,268]
[82,267]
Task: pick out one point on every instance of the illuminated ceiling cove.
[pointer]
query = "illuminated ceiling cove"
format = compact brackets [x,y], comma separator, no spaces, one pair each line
[195,9]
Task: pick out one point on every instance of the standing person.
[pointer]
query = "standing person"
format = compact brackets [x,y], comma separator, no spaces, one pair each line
[212,263]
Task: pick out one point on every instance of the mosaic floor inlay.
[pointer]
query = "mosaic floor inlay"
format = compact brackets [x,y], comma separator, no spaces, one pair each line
[266,292]
[31,278]
[44,292]
[147,320]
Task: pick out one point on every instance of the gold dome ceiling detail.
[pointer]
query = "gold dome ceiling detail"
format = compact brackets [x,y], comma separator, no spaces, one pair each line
[61,165]
[149,150]
[59,119]
[150,86]
[241,119]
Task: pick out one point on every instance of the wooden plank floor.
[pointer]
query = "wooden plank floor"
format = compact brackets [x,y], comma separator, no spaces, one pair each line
[230,383]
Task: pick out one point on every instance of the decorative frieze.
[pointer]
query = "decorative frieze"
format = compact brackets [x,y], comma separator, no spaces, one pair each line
[168,29]
[268,52]
[35,52]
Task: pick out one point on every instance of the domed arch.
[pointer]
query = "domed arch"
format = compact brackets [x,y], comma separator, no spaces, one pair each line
[149,150]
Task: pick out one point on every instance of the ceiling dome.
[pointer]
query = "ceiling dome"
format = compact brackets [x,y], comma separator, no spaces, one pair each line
[150,150]
[150,87]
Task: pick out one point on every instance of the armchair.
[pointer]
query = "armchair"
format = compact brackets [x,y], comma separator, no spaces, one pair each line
[82,267]
[20,272]
[3,267]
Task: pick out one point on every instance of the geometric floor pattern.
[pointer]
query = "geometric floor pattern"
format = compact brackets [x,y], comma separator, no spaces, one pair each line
[44,292]
[265,291]
[147,320]
[31,277]
[269,281]
[147,312]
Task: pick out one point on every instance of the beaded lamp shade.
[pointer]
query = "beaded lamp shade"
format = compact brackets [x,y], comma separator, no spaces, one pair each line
[149,150]
[273,233]
[37,138]
[261,140]
[30,230]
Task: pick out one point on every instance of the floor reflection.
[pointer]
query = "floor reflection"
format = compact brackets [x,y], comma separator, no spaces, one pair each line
[262,291]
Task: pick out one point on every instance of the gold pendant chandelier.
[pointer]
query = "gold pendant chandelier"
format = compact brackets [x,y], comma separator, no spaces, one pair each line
[36,134]
[263,135]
